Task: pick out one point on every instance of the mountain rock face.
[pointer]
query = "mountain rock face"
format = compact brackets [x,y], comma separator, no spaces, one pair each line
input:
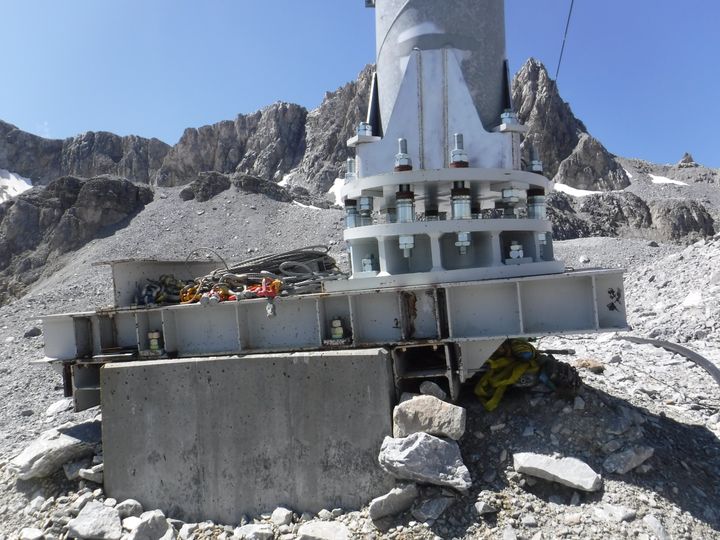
[87,155]
[327,130]
[626,214]
[41,224]
[570,155]
[677,219]
[268,144]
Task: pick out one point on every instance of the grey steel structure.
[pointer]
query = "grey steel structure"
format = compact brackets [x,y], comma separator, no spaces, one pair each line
[450,249]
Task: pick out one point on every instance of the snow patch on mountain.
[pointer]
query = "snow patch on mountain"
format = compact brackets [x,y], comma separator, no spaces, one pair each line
[664,180]
[574,192]
[12,184]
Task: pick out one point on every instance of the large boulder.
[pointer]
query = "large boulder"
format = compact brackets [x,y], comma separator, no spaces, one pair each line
[430,415]
[567,471]
[425,459]
[96,522]
[55,447]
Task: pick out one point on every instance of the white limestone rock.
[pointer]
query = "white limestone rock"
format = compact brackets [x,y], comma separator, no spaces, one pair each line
[31,533]
[129,507]
[625,461]
[130,523]
[187,530]
[569,472]
[96,522]
[430,415]
[255,531]
[93,474]
[281,516]
[153,526]
[394,502]
[54,448]
[323,530]
[62,405]
[425,459]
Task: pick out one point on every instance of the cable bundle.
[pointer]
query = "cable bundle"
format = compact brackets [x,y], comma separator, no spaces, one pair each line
[300,271]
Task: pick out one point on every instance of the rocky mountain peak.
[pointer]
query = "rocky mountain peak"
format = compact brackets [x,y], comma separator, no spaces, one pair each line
[687,161]
[570,155]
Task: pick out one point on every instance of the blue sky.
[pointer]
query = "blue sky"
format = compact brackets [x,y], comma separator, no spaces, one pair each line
[644,75]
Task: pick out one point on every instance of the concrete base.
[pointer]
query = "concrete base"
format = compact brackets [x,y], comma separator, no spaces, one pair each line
[217,438]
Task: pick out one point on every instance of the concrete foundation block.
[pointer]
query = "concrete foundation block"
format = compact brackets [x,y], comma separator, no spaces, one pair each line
[217,438]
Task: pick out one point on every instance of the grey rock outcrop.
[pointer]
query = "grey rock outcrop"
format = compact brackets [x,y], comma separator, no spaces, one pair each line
[590,166]
[687,162]
[327,130]
[266,144]
[569,154]
[426,459]
[567,224]
[679,218]
[87,155]
[55,447]
[69,212]
[569,472]
[430,415]
[609,213]
[96,522]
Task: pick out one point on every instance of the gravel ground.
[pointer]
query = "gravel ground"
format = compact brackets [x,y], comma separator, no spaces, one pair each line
[643,397]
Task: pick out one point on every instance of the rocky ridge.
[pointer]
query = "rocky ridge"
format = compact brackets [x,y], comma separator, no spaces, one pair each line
[88,155]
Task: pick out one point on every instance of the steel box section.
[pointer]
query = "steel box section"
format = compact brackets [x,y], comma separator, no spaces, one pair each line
[217,438]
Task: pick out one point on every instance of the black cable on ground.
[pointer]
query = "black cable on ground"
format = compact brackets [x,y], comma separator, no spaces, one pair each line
[694,357]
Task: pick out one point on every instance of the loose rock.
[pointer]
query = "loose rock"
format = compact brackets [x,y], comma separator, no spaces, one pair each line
[255,532]
[323,530]
[96,522]
[430,415]
[626,461]
[152,526]
[427,459]
[430,388]
[569,472]
[431,509]
[129,507]
[394,502]
[281,516]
